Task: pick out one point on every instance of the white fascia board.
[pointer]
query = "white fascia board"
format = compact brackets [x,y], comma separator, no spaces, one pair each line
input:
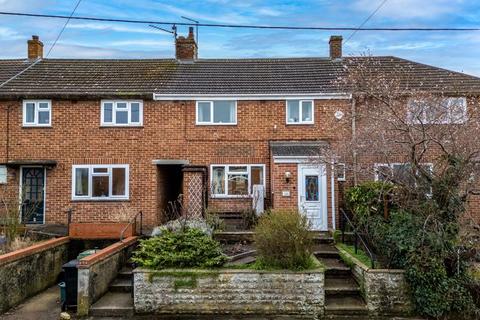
[295,96]
[296,159]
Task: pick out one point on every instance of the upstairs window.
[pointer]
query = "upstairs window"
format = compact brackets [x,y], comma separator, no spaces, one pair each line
[300,112]
[216,112]
[37,113]
[3,174]
[122,113]
[439,111]
[236,180]
[100,182]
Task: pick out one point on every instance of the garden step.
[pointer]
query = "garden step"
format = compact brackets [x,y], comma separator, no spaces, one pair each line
[121,285]
[349,305]
[325,251]
[125,273]
[234,236]
[341,286]
[240,261]
[113,304]
[335,268]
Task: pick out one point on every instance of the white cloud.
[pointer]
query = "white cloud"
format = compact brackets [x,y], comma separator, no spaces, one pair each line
[115,28]
[414,46]
[411,9]
[9,34]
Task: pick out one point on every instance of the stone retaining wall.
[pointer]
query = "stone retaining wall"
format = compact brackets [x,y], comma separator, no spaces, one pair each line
[232,292]
[97,271]
[28,271]
[385,291]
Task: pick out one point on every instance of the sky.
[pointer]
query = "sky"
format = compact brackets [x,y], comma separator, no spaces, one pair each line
[83,39]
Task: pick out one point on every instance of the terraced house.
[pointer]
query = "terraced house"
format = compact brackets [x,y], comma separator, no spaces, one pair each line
[222,134]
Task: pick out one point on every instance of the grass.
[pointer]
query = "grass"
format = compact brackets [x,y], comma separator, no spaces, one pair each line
[360,255]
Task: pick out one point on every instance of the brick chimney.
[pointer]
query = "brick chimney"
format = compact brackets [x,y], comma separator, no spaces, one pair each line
[186,48]
[335,47]
[35,48]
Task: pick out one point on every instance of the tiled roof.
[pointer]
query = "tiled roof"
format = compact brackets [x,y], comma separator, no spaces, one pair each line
[297,148]
[143,77]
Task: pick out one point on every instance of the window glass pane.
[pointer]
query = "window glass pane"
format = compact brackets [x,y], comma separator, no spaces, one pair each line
[311,188]
[107,112]
[3,174]
[122,117]
[43,105]
[100,170]
[30,110]
[416,111]
[100,186]
[383,173]
[135,112]
[204,112]
[293,111]
[458,110]
[256,176]
[224,112]
[237,169]
[118,181]
[44,117]
[81,181]
[218,180]
[403,174]
[121,105]
[307,111]
[237,184]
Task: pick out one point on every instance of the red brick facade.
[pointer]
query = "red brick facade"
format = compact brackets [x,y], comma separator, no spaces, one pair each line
[168,132]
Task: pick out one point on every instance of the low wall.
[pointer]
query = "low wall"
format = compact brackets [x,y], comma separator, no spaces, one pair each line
[229,292]
[97,271]
[28,271]
[385,291]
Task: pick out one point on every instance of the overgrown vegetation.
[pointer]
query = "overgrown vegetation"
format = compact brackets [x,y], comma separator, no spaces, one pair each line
[283,241]
[360,255]
[187,248]
[422,236]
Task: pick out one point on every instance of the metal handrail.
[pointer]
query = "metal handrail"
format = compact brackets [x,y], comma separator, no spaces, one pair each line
[358,237]
[131,222]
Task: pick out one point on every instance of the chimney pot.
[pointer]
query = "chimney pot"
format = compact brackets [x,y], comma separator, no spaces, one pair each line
[186,48]
[35,48]
[335,47]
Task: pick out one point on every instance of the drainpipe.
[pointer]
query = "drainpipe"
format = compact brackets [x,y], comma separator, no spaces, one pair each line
[354,140]
[332,181]
[7,142]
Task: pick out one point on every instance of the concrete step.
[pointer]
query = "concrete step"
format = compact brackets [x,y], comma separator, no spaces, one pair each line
[113,304]
[351,305]
[341,287]
[335,268]
[125,273]
[323,239]
[121,285]
[323,250]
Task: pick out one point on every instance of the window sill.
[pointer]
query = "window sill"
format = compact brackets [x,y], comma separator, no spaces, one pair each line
[301,124]
[36,126]
[122,126]
[215,124]
[231,197]
[101,200]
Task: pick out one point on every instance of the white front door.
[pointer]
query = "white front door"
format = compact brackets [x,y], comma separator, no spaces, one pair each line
[312,195]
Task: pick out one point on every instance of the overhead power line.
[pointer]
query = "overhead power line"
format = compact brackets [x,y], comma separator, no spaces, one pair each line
[63,29]
[366,20]
[244,26]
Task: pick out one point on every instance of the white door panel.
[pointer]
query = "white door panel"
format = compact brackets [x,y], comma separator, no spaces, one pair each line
[312,194]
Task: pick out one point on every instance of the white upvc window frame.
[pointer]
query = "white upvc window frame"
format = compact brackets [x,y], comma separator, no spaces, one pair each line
[114,123]
[300,112]
[91,174]
[341,168]
[226,168]
[391,165]
[37,109]
[448,119]
[212,105]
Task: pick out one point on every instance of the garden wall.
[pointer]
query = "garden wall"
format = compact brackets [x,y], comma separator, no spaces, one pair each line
[385,291]
[232,292]
[95,272]
[28,271]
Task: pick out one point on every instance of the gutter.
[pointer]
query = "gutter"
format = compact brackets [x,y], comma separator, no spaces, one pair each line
[233,96]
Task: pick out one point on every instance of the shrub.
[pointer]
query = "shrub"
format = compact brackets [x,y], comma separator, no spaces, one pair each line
[190,248]
[283,240]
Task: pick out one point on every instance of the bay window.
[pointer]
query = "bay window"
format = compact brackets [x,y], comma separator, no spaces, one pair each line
[236,180]
[100,182]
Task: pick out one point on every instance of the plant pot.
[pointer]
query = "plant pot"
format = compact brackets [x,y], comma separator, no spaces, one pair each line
[102,230]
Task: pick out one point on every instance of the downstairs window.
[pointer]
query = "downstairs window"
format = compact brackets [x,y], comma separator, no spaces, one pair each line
[236,180]
[100,182]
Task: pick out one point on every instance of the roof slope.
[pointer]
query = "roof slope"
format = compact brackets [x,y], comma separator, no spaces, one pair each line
[143,77]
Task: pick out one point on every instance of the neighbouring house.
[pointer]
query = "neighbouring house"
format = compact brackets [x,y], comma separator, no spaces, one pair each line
[96,134]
